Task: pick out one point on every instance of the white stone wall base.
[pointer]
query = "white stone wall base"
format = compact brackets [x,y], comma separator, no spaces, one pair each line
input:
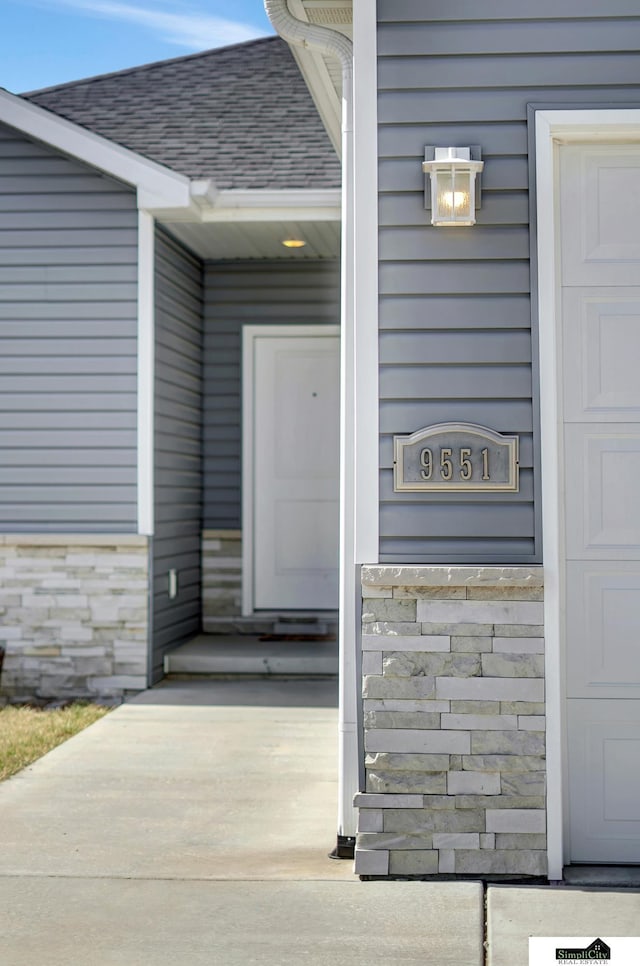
[221,577]
[75,615]
[454,727]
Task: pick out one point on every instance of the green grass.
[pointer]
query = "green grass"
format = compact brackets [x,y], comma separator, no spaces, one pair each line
[27,734]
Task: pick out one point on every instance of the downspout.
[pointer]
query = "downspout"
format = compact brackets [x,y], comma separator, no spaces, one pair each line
[334,44]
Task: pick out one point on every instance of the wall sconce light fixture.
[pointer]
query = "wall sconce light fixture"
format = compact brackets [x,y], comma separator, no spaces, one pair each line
[452,194]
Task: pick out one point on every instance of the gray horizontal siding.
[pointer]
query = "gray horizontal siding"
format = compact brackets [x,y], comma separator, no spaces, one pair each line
[177,446]
[68,343]
[455,314]
[490,36]
[413,11]
[237,294]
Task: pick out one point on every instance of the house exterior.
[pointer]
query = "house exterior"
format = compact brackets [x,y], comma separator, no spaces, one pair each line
[143,215]
[489,535]
[498,649]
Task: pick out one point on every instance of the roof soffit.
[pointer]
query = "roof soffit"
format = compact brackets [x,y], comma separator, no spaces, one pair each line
[323,75]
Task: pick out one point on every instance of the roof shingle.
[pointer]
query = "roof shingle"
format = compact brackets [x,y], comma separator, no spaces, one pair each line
[241,115]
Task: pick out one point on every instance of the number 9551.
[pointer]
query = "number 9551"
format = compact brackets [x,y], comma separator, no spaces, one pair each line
[449,466]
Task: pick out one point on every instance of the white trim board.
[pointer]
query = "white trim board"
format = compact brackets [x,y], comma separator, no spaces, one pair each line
[273,206]
[249,334]
[553,127]
[365,270]
[146,375]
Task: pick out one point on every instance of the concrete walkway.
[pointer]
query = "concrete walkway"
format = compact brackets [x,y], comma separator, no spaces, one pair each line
[191,826]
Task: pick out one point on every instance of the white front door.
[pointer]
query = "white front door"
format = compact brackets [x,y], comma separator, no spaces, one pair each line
[600,460]
[292,420]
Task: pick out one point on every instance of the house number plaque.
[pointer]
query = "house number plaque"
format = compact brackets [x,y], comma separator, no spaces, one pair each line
[456,457]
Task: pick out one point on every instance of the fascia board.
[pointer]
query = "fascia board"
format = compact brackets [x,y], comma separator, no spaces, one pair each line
[278,198]
[323,93]
[300,204]
[157,186]
[220,215]
[316,77]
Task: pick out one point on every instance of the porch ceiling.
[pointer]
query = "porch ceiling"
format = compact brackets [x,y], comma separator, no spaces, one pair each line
[258,239]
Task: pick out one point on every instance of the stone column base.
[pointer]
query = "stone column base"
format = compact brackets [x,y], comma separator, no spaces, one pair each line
[75,615]
[221,576]
[454,727]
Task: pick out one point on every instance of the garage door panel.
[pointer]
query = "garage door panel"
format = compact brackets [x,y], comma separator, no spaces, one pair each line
[600,214]
[604,781]
[602,484]
[603,646]
[599,349]
[602,344]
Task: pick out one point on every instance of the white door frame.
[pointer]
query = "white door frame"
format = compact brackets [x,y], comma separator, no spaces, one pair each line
[249,334]
[551,129]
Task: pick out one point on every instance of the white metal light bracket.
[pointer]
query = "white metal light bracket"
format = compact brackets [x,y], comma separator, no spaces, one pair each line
[452,186]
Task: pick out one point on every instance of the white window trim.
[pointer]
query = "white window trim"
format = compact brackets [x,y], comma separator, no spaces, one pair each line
[249,334]
[553,127]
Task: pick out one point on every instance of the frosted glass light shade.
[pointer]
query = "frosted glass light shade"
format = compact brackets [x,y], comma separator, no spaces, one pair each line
[453,186]
[452,197]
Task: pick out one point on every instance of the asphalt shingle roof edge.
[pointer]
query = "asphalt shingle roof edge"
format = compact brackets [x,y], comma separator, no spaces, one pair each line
[241,115]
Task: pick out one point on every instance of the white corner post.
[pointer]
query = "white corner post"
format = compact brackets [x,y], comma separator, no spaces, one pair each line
[547,320]
[362,485]
[336,45]
[146,239]
[349,616]
[365,272]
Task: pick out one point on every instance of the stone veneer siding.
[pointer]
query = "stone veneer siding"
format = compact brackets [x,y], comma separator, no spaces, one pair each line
[454,727]
[221,576]
[74,615]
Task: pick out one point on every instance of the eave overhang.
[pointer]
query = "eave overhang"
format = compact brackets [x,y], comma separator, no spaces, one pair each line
[156,186]
[177,201]
[322,74]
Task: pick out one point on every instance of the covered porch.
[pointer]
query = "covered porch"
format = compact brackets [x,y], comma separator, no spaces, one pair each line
[224,503]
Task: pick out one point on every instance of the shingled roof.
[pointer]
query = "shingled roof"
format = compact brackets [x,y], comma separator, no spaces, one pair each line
[241,115]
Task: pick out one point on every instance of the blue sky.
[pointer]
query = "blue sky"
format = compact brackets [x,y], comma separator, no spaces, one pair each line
[47,42]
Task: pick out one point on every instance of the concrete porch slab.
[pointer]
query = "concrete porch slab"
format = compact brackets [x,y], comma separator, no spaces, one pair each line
[247,654]
[514,913]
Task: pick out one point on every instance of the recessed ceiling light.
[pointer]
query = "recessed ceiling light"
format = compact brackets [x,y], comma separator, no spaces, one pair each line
[294,243]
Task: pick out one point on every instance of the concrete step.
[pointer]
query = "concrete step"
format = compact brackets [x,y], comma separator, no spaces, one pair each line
[247,654]
[266,622]
[310,627]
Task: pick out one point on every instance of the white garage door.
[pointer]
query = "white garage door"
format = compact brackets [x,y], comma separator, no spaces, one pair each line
[600,368]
